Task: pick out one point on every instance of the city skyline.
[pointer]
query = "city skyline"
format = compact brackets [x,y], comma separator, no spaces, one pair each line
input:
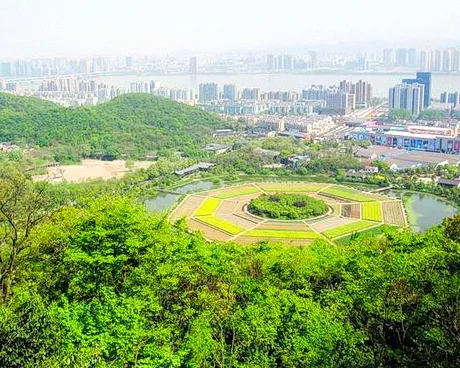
[60,28]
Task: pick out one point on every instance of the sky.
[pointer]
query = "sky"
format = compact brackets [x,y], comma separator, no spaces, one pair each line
[40,28]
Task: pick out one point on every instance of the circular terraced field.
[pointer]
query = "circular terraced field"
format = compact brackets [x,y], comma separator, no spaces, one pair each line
[222,214]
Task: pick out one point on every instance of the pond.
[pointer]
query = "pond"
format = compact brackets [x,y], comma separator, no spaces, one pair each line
[424,210]
[164,201]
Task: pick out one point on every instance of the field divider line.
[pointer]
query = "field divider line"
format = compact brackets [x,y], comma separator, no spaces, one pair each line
[323,188]
[321,236]
[248,229]
[258,187]
[360,231]
[196,209]
[221,202]
[179,205]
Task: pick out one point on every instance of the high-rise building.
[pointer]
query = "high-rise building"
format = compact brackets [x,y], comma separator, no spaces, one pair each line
[193,67]
[288,63]
[425,60]
[315,92]
[453,98]
[129,61]
[401,57]
[313,60]
[412,58]
[407,97]
[251,94]
[456,60]
[443,97]
[280,62]
[447,61]
[271,62]
[5,69]
[208,92]
[339,102]
[423,78]
[230,92]
[83,67]
[363,92]
[388,57]
[438,62]
[346,86]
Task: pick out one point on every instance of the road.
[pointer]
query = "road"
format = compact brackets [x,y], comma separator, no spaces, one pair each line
[369,113]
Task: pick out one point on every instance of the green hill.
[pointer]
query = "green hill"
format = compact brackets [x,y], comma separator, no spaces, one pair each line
[132,125]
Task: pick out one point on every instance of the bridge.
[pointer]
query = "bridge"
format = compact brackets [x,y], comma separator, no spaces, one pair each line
[168,191]
[381,189]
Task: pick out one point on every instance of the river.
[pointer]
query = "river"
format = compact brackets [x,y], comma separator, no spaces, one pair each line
[279,81]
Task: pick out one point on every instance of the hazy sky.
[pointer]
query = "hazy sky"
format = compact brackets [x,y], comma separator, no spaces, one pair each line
[85,27]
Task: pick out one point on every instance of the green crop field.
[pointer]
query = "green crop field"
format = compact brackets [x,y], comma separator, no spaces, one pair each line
[235,222]
[347,193]
[219,224]
[365,233]
[372,211]
[238,192]
[348,228]
[208,207]
[281,234]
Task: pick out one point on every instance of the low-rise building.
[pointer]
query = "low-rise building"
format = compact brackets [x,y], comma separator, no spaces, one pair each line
[216,148]
[453,183]
[222,133]
[411,137]
[400,159]
[202,166]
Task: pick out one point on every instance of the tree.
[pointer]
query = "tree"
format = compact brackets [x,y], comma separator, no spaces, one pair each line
[23,205]
[400,114]
[452,227]
[381,165]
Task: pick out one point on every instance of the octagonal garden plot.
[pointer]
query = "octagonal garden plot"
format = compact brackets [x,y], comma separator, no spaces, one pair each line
[222,214]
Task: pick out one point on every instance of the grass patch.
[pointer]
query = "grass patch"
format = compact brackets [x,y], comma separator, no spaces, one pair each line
[208,207]
[348,228]
[372,211]
[281,234]
[347,193]
[363,234]
[222,225]
[236,193]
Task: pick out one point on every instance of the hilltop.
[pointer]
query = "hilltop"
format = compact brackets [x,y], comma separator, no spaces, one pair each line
[131,125]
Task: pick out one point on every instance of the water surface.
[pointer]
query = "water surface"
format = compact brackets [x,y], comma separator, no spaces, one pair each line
[424,210]
[163,202]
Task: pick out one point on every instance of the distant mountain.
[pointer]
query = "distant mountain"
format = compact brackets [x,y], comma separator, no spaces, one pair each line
[129,125]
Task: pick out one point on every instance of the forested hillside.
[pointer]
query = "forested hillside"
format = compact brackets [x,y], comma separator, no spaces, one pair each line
[102,283]
[131,125]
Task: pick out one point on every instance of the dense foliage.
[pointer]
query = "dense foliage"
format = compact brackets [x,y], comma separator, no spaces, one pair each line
[104,284]
[287,206]
[129,126]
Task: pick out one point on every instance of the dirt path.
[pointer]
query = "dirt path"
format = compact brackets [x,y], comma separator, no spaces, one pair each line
[90,170]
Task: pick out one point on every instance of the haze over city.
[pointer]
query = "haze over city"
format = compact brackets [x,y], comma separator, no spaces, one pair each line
[67,28]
